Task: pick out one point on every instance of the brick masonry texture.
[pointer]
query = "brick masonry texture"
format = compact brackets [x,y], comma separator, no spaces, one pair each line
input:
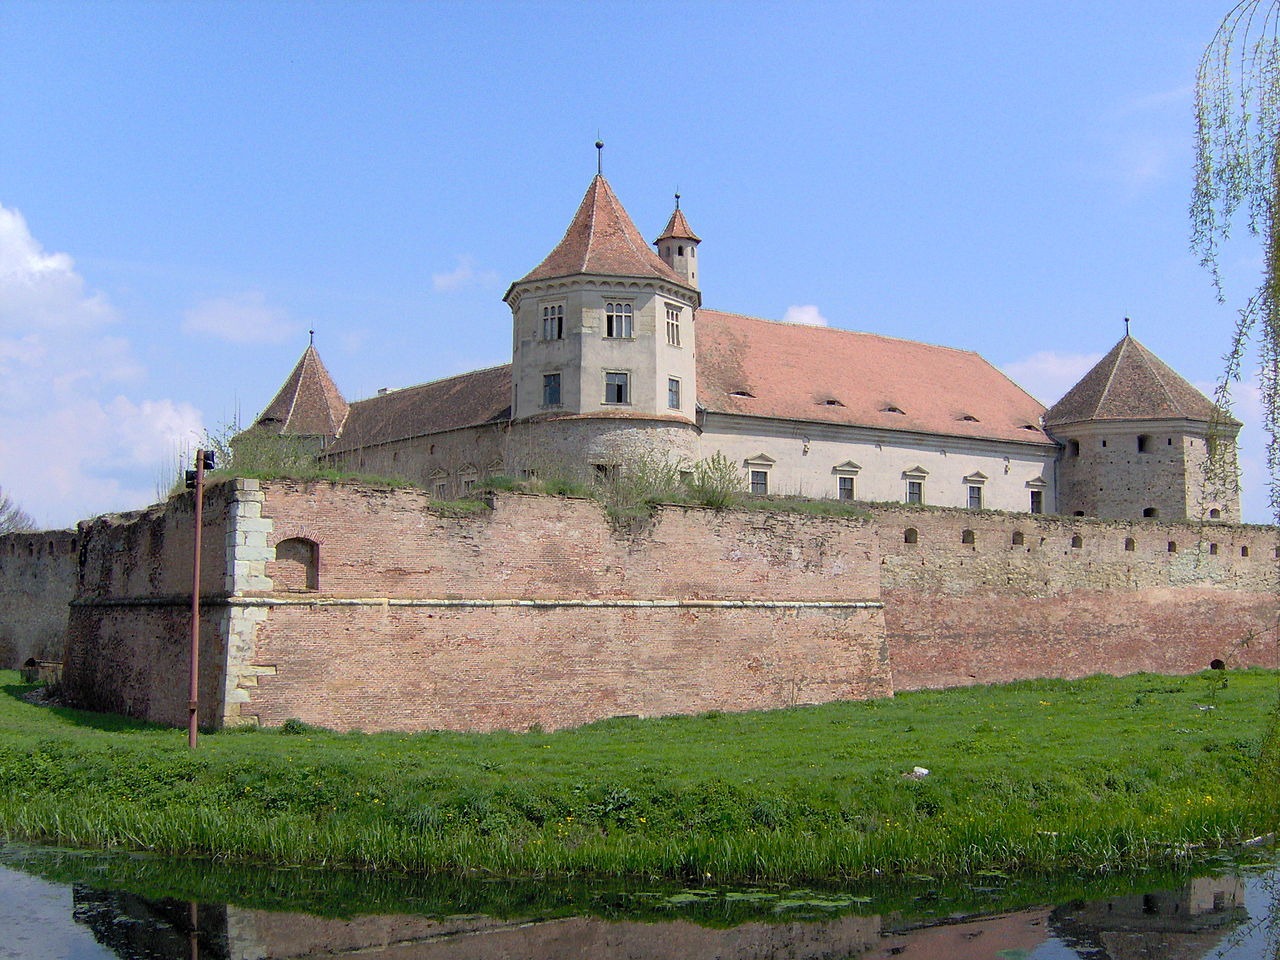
[37,581]
[537,611]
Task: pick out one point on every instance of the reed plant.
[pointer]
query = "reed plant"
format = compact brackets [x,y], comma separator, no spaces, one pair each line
[1089,775]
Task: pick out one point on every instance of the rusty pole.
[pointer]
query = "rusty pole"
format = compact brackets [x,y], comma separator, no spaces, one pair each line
[193,700]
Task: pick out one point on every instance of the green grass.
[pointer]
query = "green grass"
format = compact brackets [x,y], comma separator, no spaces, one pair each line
[1043,776]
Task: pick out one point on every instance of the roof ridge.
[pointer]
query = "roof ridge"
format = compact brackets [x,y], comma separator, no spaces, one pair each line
[1111,375]
[430,383]
[1146,355]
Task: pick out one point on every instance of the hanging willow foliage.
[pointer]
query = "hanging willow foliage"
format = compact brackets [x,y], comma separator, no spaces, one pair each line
[1238,182]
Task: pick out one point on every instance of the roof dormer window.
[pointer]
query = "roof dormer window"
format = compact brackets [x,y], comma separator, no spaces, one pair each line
[892,409]
[742,393]
[832,402]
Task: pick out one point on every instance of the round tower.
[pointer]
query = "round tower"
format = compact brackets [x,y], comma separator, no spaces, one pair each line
[678,247]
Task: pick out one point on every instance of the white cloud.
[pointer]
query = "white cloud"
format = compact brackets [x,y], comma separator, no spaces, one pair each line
[243,318]
[1047,375]
[804,314]
[463,275]
[73,442]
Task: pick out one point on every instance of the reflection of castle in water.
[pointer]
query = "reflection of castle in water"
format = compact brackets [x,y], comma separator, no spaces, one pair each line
[1182,924]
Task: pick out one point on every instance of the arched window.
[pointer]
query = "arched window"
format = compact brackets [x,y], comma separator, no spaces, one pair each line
[1244,551]
[296,566]
[1215,514]
[1213,549]
[910,535]
[967,537]
[1077,542]
[1130,544]
[1173,546]
[1017,539]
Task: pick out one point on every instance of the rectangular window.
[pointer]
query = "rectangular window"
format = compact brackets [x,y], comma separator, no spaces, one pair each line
[553,321]
[845,486]
[468,485]
[442,491]
[1037,501]
[551,389]
[759,482]
[673,393]
[975,497]
[915,491]
[617,320]
[617,388]
[673,326]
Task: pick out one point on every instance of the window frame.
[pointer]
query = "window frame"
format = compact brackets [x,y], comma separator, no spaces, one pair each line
[758,482]
[673,393]
[623,382]
[552,321]
[551,390]
[619,313]
[846,483]
[673,325]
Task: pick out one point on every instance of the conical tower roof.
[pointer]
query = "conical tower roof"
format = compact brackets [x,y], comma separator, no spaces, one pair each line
[602,240]
[1132,383]
[678,228]
[309,403]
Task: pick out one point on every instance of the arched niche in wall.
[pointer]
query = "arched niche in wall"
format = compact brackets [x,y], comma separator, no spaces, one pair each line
[297,565]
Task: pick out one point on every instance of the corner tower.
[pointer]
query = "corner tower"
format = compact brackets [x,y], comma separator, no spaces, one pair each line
[309,406]
[1139,441]
[603,329]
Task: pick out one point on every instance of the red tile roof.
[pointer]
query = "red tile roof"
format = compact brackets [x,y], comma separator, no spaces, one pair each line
[602,240]
[678,229]
[1132,383]
[788,371]
[469,399]
[309,403]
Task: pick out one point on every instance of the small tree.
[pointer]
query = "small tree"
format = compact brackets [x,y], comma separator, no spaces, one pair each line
[13,517]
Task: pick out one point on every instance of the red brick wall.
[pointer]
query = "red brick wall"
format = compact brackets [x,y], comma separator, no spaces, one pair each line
[993,611]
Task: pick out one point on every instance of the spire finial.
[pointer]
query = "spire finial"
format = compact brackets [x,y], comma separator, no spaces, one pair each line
[1126,326]
[599,157]
[677,197]
[312,334]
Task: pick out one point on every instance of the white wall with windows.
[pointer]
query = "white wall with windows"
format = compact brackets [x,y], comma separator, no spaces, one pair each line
[837,462]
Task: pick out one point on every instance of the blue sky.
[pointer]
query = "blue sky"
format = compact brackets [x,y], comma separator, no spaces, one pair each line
[186,188]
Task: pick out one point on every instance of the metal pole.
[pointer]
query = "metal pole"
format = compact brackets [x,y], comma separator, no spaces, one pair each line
[193,700]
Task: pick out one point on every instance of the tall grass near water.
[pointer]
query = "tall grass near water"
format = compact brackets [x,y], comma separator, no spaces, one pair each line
[1094,775]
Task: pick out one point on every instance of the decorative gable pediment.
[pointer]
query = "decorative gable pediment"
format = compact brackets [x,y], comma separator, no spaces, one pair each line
[915,473]
[846,469]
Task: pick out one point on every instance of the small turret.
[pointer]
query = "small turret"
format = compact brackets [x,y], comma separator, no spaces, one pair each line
[678,247]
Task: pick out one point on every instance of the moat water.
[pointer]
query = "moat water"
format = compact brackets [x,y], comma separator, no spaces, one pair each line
[65,905]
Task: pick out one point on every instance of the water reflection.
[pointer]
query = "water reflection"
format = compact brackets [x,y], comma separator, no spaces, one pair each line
[1226,916]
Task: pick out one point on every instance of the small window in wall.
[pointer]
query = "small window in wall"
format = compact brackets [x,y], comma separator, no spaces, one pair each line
[1150,513]
[297,565]
[1073,448]
[1213,549]
[606,472]
[911,535]
[673,393]
[1244,551]
[967,537]
[915,491]
[673,325]
[617,321]
[1078,513]
[1144,443]
[468,485]
[844,488]
[617,388]
[553,321]
[1017,539]
[975,497]
[442,490]
[760,482]
[1037,501]
[551,389]
[1215,514]
[1077,542]
[1173,546]
[1130,544]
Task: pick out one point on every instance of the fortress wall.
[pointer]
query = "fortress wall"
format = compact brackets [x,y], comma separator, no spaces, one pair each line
[37,581]
[993,611]
[128,634]
[539,612]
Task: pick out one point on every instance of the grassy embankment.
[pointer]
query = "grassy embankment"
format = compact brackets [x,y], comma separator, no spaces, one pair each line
[1097,774]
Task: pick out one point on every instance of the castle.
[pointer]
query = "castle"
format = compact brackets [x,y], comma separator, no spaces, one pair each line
[614,358]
